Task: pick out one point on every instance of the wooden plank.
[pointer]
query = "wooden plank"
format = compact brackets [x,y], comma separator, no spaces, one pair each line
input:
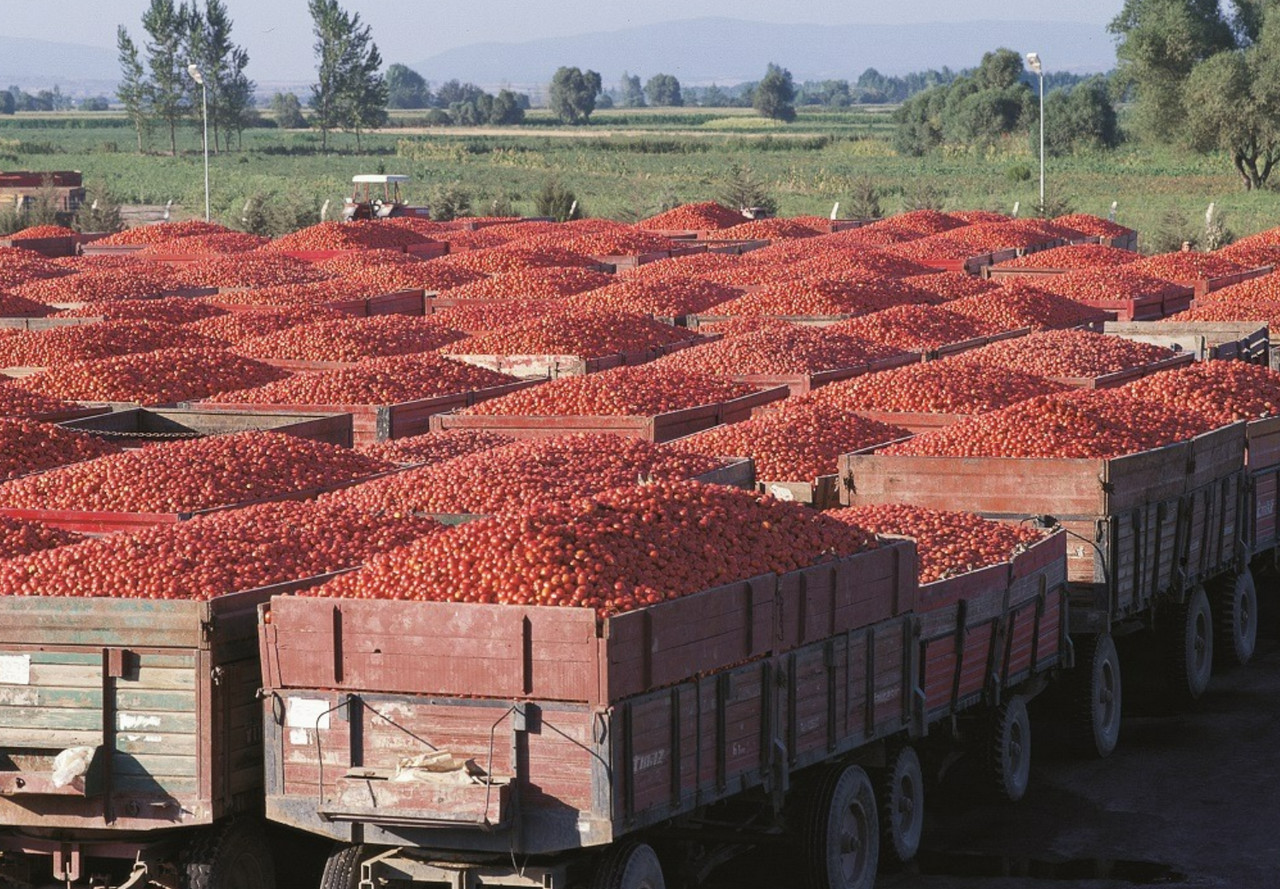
[48,739]
[137,623]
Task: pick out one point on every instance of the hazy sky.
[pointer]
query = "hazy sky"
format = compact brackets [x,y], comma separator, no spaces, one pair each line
[277,33]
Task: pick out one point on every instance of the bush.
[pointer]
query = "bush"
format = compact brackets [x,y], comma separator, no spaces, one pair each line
[272,214]
[100,212]
[449,202]
[742,189]
[864,199]
[1019,173]
[922,194]
[1055,205]
[1172,230]
[558,201]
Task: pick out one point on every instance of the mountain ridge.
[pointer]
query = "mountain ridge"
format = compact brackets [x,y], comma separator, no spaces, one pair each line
[726,51]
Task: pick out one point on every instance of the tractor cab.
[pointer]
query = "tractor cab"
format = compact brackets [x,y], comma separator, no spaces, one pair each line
[377,196]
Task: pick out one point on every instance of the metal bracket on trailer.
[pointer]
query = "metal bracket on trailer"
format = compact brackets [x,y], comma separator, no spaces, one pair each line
[401,865]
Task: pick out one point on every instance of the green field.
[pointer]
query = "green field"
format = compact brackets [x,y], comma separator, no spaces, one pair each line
[632,163]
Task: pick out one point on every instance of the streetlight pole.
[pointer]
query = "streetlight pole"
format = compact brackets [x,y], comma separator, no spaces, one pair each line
[1033,60]
[198,77]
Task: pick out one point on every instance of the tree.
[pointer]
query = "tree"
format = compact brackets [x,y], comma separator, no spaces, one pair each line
[506,109]
[998,70]
[366,104]
[349,92]
[237,97]
[573,94]
[742,189]
[714,97]
[166,89]
[287,111]
[453,92]
[131,91]
[91,103]
[557,200]
[1227,109]
[663,89]
[223,63]
[406,88]
[774,94]
[1158,42]
[1080,118]
[630,95]
[7,105]
[973,110]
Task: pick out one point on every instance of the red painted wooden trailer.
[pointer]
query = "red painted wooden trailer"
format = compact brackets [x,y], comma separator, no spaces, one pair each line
[130,743]
[437,738]
[433,741]
[1148,531]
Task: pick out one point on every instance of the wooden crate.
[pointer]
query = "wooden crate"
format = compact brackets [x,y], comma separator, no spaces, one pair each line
[659,428]
[376,422]
[552,367]
[1000,273]
[584,775]
[804,383]
[1204,340]
[1262,456]
[1128,375]
[87,521]
[138,426]
[821,493]
[975,343]
[45,323]
[1131,517]
[1205,286]
[165,693]
[567,654]
[53,247]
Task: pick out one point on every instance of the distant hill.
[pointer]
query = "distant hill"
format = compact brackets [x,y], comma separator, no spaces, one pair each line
[727,51]
[40,64]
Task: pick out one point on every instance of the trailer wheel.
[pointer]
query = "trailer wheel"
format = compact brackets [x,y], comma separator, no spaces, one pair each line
[1187,632]
[342,867]
[901,796]
[1095,695]
[1236,619]
[235,857]
[1009,750]
[629,865]
[839,834]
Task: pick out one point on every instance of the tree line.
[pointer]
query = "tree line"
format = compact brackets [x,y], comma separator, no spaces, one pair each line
[158,91]
[979,108]
[1200,74]
[1205,76]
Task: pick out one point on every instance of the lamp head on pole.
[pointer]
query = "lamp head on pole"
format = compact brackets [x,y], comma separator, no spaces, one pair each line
[196,74]
[1033,62]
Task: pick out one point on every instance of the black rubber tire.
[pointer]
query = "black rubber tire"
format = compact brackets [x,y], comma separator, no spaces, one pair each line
[235,856]
[1186,631]
[1235,620]
[1008,750]
[1094,688]
[839,832]
[629,865]
[900,792]
[342,867]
